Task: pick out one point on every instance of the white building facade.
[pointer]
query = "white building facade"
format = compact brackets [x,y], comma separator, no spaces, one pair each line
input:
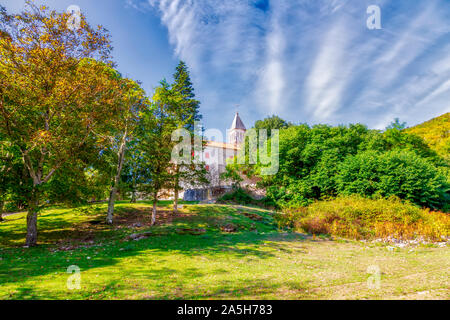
[216,154]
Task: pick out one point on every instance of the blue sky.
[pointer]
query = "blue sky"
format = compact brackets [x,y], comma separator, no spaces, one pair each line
[312,61]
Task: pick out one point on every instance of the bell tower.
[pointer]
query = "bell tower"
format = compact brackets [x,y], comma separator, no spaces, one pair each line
[236,133]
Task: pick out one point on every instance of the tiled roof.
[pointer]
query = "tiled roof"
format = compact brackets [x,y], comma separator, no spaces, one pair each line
[237,123]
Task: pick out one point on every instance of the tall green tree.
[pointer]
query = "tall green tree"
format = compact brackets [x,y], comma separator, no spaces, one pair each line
[155,142]
[188,113]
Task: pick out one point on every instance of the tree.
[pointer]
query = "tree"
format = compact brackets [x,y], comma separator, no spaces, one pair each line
[154,133]
[131,169]
[53,92]
[396,124]
[232,174]
[187,115]
[131,105]
[273,122]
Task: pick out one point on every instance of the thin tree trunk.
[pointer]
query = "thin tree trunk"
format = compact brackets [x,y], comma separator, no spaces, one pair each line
[175,201]
[113,191]
[155,202]
[133,192]
[2,203]
[176,190]
[32,231]
[112,199]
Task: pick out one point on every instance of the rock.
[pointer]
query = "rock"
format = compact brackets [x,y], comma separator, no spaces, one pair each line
[229,228]
[423,292]
[252,216]
[194,232]
[140,236]
[195,195]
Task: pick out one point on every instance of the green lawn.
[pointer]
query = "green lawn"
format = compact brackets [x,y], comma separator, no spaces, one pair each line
[256,261]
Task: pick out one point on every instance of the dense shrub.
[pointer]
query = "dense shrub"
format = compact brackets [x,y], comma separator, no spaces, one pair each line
[238,196]
[242,197]
[400,173]
[357,217]
[324,162]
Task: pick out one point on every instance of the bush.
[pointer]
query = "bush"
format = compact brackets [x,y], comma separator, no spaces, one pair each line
[238,196]
[360,218]
[324,162]
[397,173]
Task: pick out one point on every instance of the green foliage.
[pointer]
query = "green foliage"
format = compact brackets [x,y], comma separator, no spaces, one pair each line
[323,162]
[232,174]
[273,122]
[242,197]
[357,217]
[396,124]
[238,196]
[155,144]
[188,114]
[400,173]
[183,85]
[15,184]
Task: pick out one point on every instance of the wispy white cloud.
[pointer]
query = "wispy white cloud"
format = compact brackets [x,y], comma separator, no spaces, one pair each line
[330,73]
[314,60]
[140,5]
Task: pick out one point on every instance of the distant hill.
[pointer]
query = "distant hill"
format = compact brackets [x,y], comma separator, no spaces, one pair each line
[436,132]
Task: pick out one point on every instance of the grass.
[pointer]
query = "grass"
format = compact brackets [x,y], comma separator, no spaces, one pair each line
[255,261]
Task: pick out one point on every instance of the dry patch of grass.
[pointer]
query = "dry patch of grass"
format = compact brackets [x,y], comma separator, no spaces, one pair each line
[361,218]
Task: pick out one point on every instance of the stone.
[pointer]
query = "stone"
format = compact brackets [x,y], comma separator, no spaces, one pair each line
[195,195]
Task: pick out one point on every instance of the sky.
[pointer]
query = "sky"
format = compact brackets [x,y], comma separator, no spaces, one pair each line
[307,61]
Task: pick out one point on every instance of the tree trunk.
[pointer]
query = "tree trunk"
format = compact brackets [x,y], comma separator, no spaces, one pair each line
[175,201]
[2,203]
[113,192]
[112,199]
[176,190]
[32,231]
[155,202]
[133,192]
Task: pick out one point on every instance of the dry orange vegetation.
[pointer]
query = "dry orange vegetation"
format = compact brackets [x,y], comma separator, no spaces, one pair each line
[360,218]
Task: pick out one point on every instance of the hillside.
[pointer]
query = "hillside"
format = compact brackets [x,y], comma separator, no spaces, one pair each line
[436,132]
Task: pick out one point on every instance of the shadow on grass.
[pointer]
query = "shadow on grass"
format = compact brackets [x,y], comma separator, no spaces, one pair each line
[19,264]
[223,289]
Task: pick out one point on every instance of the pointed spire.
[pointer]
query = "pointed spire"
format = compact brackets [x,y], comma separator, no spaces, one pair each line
[237,123]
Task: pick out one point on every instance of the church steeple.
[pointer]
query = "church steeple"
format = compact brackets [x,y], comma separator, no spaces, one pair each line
[236,134]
